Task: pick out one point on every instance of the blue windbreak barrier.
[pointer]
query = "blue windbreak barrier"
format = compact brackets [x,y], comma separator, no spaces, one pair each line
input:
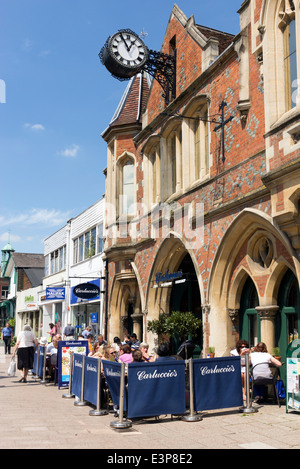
[77,374]
[112,373]
[156,388]
[217,383]
[91,380]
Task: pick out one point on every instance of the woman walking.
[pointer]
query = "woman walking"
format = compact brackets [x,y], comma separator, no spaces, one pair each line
[25,346]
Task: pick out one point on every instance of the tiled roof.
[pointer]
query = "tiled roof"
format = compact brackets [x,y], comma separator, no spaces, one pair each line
[225,39]
[133,101]
[23,260]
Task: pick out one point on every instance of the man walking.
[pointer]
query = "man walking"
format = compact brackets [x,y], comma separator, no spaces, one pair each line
[6,336]
[69,332]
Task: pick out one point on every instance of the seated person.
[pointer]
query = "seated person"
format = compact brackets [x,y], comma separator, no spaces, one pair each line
[137,356]
[163,353]
[261,360]
[135,343]
[125,354]
[90,339]
[144,349]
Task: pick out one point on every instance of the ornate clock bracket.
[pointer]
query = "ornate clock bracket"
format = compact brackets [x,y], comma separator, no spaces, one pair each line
[162,67]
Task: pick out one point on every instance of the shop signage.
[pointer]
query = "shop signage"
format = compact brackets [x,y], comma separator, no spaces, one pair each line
[167,276]
[94,318]
[65,348]
[86,291]
[55,293]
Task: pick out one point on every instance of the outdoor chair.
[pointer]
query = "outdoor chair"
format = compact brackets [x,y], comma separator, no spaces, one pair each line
[54,368]
[261,381]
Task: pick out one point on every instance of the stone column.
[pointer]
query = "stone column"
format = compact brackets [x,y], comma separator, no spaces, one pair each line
[267,324]
[137,324]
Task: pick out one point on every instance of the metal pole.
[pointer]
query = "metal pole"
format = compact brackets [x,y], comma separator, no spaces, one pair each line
[248,409]
[36,376]
[44,368]
[98,411]
[70,394]
[121,423]
[192,416]
[82,402]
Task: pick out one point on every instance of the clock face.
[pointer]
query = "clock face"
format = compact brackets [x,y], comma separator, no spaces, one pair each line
[128,49]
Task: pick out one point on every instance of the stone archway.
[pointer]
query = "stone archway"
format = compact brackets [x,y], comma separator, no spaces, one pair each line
[226,280]
[168,259]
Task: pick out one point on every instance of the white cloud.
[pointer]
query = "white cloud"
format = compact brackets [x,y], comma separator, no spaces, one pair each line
[9,236]
[35,127]
[37,216]
[27,44]
[44,53]
[71,151]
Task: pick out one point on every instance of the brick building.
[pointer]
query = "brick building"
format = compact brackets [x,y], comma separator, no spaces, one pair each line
[210,225]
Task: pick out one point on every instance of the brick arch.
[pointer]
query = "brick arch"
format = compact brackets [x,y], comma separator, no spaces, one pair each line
[223,291]
[240,230]
[169,256]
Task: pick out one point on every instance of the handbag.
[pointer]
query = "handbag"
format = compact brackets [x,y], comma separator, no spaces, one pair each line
[280,389]
[12,368]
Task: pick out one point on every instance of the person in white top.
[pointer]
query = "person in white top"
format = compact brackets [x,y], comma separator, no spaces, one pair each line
[260,361]
[26,343]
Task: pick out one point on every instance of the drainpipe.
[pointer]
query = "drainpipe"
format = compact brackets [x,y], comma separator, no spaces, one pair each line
[106,300]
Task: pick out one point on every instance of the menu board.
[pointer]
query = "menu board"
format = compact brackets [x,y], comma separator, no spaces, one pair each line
[292,375]
[65,348]
[292,383]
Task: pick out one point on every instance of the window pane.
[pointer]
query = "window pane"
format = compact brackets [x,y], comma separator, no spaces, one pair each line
[128,188]
[75,252]
[93,242]
[80,249]
[100,238]
[290,61]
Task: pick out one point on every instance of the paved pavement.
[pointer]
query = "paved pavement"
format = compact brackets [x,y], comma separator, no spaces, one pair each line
[35,416]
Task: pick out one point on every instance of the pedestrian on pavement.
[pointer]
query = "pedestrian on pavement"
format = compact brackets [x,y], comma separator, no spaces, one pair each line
[53,330]
[6,336]
[25,346]
[86,332]
[69,332]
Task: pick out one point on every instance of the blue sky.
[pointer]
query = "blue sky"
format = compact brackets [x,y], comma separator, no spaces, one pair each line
[59,98]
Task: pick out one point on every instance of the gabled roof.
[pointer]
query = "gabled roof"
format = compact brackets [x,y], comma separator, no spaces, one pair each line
[130,108]
[225,39]
[27,260]
[35,276]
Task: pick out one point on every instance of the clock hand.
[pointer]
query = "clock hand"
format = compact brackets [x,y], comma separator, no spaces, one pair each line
[122,37]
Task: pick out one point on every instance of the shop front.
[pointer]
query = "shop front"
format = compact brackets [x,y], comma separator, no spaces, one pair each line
[86,307]
[52,301]
[28,311]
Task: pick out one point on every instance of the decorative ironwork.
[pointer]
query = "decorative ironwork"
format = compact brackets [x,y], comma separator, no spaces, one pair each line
[222,126]
[162,67]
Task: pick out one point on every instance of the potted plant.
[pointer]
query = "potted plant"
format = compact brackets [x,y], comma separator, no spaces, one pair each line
[276,353]
[211,352]
[185,324]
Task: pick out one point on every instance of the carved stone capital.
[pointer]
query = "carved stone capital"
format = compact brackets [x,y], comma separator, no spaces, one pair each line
[267,312]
